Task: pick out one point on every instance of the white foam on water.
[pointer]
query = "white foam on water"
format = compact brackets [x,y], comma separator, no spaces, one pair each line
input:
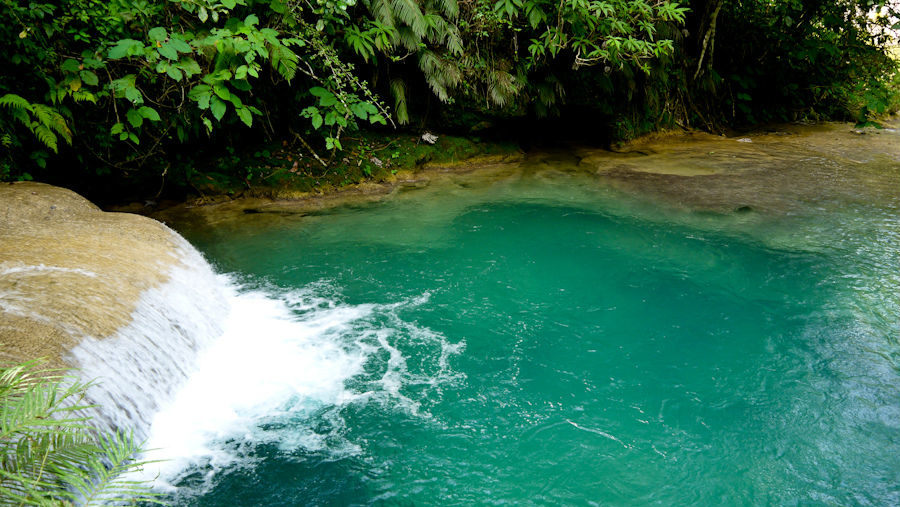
[208,369]
[285,364]
[141,367]
[268,365]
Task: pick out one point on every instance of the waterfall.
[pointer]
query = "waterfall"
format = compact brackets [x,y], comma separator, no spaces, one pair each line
[207,368]
[139,369]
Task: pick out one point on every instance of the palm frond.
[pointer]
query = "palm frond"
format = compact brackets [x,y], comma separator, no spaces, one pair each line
[398,90]
[441,74]
[502,87]
[407,37]
[441,32]
[449,8]
[382,11]
[408,12]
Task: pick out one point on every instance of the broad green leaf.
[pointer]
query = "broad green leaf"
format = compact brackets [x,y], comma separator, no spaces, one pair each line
[318,91]
[222,91]
[203,15]
[245,116]
[133,138]
[359,111]
[174,73]
[134,118]
[167,51]
[241,84]
[134,95]
[70,65]
[157,34]
[199,90]
[219,75]
[123,48]
[218,108]
[317,121]
[189,66]
[180,45]
[118,128]
[149,113]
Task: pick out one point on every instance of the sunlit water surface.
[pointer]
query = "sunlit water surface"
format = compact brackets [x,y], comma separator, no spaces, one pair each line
[542,335]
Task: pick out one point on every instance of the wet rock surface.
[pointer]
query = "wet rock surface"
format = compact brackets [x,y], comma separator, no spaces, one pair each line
[69,270]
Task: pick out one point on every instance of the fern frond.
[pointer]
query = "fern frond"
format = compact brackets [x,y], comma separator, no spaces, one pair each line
[84,96]
[13,101]
[440,74]
[284,61]
[50,457]
[441,32]
[51,119]
[46,137]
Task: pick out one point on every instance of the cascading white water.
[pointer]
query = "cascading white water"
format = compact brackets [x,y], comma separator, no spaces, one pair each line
[205,362]
[139,369]
[283,357]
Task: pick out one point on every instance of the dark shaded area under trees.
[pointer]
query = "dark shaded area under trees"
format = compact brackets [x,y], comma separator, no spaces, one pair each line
[134,99]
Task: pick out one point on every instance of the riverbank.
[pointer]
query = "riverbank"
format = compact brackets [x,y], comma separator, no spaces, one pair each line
[691,168]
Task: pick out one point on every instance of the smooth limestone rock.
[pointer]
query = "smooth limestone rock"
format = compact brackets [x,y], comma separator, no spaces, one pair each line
[69,270]
[120,298]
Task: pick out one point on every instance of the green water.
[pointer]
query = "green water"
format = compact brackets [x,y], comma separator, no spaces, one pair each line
[547,338]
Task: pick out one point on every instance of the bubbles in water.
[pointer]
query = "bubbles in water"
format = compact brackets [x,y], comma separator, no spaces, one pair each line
[285,365]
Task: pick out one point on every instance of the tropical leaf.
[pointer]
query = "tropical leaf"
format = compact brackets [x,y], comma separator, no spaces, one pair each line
[382,11]
[398,90]
[284,61]
[408,12]
[449,8]
[13,101]
[49,456]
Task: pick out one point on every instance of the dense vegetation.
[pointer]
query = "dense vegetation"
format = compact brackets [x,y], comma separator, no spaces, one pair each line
[128,90]
[51,456]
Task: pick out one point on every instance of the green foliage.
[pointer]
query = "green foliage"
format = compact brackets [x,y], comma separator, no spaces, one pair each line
[796,60]
[44,122]
[123,86]
[49,455]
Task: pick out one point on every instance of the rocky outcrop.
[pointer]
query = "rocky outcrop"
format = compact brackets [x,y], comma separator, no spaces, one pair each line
[69,270]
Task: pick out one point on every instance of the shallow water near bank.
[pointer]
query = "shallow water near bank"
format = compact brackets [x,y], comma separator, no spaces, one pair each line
[574,328]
